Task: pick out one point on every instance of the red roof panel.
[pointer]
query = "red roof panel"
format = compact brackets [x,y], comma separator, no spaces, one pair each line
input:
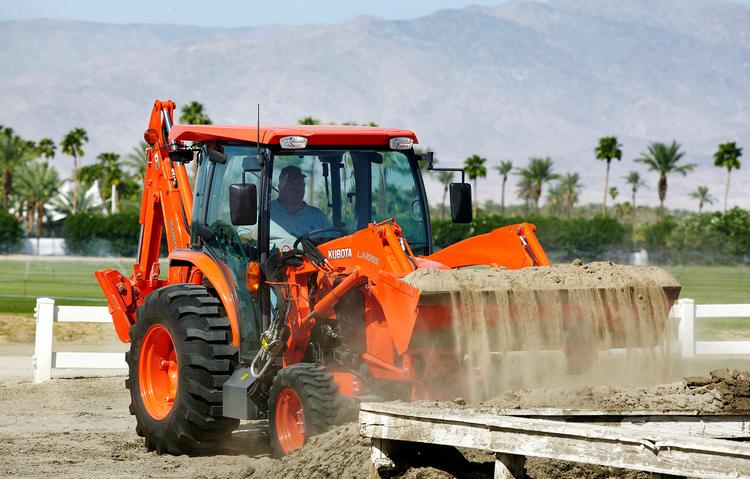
[317,135]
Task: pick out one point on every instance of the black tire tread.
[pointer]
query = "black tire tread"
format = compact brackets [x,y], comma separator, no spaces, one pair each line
[206,360]
[324,407]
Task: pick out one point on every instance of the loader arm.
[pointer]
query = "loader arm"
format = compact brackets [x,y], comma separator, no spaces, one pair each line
[167,201]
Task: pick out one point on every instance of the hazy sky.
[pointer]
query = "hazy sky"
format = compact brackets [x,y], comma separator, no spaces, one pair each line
[224,12]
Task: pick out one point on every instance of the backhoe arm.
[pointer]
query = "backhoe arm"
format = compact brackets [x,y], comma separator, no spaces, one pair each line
[167,201]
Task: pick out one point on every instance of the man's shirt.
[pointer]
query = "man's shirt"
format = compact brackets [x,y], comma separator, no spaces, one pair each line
[308,218]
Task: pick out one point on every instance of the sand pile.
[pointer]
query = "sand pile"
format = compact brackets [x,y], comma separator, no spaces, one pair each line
[578,309]
[722,391]
[340,452]
[577,275]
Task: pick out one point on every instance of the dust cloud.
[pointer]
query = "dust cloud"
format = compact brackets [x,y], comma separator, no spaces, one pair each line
[560,326]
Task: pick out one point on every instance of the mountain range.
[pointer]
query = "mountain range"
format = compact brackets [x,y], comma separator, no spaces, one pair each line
[511,81]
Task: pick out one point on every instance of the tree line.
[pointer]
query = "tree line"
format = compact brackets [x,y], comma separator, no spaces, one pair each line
[32,187]
[661,158]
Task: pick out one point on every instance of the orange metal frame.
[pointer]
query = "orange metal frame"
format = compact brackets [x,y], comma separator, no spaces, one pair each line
[167,201]
[375,259]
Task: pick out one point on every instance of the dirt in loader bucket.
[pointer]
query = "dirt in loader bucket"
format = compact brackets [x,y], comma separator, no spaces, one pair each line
[547,326]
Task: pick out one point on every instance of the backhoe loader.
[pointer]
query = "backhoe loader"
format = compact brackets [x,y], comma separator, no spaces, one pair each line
[287,310]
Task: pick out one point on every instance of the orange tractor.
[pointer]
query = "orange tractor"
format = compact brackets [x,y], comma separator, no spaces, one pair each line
[284,296]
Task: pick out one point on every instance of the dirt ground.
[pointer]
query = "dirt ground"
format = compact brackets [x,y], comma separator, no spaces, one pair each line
[80,427]
[70,428]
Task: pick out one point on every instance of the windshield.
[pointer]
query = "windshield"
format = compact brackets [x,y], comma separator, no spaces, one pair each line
[341,191]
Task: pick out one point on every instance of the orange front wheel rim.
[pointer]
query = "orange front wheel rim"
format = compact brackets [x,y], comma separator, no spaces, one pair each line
[290,420]
[157,372]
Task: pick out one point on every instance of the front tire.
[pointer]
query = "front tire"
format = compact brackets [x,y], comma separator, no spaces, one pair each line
[304,402]
[179,358]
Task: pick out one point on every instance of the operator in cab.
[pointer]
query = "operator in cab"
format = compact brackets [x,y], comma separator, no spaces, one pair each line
[291,216]
[290,211]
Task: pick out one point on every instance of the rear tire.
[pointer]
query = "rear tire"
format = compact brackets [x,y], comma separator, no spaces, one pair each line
[176,393]
[304,402]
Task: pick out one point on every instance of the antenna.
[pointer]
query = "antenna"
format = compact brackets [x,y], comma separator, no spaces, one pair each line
[258,137]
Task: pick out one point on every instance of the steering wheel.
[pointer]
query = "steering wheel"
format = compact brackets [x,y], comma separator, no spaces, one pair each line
[316,232]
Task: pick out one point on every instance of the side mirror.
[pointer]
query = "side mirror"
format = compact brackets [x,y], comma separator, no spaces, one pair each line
[243,204]
[460,202]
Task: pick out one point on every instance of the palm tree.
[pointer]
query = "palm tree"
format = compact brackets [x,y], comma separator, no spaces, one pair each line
[703,197]
[46,148]
[728,156]
[64,204]
[525,191]
[38,182]
[664,159]
[14,152]
[72,144]
[445,178]
[607,150]
[537,173]
[192,113]
[635,181]
[107,171]
[614,193]
[308,120]
[556,200]
[136,160]
[474,167]
[569,187]
[504,170]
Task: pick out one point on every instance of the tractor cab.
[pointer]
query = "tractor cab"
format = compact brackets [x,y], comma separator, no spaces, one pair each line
[253,201]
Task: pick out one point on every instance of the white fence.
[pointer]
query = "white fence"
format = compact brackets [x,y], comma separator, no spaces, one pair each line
[688,313]
[46,314]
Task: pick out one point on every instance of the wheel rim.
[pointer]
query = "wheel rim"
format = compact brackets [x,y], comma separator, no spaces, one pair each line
[290,420]
[157,372]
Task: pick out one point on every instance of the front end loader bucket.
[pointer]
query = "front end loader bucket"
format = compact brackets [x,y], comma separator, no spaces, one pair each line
[599,305]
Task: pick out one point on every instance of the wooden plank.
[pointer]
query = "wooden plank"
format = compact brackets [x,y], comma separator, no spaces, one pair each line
[719,427]
[704,458]
[89,360]
[722,311]
[618,447]
[382,426]
[508,466]
[83,314]
[724,348]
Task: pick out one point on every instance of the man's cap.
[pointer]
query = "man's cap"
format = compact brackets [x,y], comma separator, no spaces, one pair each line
[291,172]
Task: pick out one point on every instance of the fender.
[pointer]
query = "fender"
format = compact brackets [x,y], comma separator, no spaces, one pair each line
[220,279]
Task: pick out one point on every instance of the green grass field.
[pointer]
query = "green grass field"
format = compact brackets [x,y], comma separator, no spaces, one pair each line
[72,282]
[716,285]
[68,282]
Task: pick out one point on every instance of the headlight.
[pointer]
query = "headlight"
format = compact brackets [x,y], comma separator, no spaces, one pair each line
[293,142]
[401,143]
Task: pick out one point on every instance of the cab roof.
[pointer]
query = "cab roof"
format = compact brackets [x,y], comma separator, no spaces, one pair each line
[317,135]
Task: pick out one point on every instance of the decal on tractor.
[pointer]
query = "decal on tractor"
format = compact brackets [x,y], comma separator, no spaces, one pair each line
[368,257]
[340,253]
